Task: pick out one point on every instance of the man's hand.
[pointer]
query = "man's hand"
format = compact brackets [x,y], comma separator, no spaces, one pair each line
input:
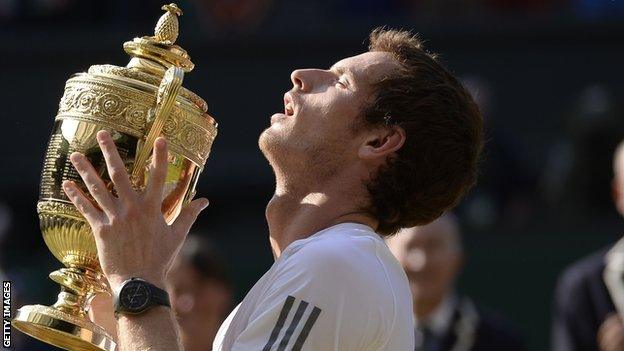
[132,237]
[611,334]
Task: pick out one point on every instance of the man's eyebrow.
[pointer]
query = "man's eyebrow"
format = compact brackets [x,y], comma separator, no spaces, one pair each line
[342,70]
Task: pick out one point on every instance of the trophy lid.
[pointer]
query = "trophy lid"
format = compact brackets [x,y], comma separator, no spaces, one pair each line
[158,52]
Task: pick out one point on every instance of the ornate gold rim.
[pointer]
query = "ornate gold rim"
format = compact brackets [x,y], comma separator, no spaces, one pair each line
[133,73]
[138,86]
[59,207]
[112,103]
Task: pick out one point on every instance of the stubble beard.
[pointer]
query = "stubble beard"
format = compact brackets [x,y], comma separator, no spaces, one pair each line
[299,164]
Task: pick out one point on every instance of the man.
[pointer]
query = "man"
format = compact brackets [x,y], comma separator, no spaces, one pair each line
[380,141]
[584,315]
[432,256]
[200,291]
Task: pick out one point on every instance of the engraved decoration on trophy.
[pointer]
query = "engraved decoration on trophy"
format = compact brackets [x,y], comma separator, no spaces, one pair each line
[136,104]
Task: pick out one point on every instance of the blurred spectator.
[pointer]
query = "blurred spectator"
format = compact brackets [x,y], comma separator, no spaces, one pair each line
[578,169]
[505,191]
[432,257]
[200,293]
[584,316]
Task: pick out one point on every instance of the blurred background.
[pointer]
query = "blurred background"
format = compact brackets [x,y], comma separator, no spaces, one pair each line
[547,74]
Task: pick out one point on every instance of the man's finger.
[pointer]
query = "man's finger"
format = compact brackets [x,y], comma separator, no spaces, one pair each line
[116,168]
[187,217]
[82,202]
[158,172]
[95,184]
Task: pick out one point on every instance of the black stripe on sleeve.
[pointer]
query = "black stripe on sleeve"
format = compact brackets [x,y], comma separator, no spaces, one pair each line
[280,323]
[306,329]
[293,324]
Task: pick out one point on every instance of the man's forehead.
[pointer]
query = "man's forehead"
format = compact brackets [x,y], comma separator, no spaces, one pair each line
[368,65]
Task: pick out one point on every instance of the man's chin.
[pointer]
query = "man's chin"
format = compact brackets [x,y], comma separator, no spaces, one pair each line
[269,142]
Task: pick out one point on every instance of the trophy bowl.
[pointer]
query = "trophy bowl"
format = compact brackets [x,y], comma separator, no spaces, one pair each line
[136,104]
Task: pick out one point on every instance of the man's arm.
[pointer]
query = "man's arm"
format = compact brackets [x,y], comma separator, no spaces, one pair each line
[156,329]
[132,237]
[132,330]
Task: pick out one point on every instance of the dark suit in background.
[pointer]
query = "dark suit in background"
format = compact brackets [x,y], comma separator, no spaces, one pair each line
[476,329]
[496,333]
[582,303]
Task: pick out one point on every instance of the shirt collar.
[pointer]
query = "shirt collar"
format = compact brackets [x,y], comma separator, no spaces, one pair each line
[356,228]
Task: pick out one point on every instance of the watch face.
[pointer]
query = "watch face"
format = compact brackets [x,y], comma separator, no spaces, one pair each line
[134,296]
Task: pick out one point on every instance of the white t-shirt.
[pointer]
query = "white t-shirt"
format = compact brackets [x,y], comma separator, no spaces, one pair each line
[340,289]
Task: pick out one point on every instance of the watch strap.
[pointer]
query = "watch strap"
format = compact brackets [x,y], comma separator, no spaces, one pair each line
[160,297]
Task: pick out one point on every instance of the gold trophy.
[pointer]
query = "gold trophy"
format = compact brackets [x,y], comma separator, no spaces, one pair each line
[136,104]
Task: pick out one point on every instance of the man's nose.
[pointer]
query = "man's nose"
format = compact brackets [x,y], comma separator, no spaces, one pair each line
[306,79]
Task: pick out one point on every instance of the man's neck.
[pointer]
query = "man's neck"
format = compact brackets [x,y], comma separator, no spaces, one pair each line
[295,215]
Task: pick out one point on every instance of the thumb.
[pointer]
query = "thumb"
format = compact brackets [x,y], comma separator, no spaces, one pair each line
[188,215]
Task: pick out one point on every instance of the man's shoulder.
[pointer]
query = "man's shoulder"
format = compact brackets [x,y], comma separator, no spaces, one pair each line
[339,245]
[329,271]
[353,257]
[583,271]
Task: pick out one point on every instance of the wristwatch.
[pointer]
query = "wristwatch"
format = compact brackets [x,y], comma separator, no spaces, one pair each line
[137,296]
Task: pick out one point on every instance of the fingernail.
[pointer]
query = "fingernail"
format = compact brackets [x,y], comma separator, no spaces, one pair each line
[204,204]
[102,135]
[75,157]
[67,185]
[160,141]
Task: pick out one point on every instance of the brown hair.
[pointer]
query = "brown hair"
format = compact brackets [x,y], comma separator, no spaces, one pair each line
[437,164]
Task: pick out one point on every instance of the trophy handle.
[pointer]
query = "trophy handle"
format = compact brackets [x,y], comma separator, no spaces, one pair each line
[165,100]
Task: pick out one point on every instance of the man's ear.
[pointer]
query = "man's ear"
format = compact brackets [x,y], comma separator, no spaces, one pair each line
[382,142]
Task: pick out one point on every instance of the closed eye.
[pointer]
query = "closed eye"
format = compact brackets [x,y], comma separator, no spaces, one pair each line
[343,76]
[343,83]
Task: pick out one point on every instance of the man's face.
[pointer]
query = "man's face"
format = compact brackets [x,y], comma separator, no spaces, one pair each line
[321,110]
[431,257]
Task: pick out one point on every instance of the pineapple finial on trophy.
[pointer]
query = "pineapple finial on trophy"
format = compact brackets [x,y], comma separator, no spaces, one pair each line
[156,53]
[166,30]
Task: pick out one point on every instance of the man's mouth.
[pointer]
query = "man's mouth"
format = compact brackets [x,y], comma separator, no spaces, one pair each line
[289,106]
[288,109]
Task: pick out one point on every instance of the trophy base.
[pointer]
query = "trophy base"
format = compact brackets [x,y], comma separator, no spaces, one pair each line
[61,329]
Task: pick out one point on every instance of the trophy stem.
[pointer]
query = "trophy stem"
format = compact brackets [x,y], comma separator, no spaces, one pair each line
[78,287]
[71,302]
